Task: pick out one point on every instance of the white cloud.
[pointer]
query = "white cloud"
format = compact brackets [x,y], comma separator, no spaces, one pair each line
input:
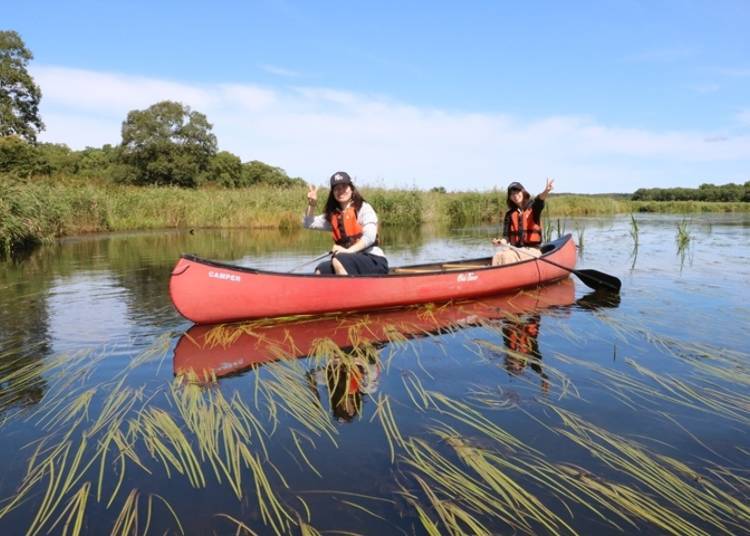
[744,116]
[312,132]
[280,71]
[660,55]
[704,89]
[735,72]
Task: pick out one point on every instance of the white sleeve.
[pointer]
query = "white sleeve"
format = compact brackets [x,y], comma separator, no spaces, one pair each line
[369,222]
[318,222]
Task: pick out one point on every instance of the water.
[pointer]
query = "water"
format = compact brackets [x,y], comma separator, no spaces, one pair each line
[550,411]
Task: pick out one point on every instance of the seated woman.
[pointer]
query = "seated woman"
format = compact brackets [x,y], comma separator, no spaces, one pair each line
[354,226]
[522,225]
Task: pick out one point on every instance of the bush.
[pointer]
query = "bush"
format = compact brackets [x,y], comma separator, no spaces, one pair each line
[257,172]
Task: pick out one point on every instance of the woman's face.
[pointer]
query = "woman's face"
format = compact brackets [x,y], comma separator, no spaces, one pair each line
[516,196]
[342,193]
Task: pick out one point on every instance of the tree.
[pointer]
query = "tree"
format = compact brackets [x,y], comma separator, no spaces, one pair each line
[167,144]
[257,172]
[19,95]
[224,169]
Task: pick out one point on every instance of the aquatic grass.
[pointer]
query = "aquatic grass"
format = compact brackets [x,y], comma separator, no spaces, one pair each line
[491,467]
[127,520]
[683,236]
[706,398]
[388,422]
[288,388]
[663,476]
[551,376]
[75,509]
[471,417]
[222,434]
[62,475]
[296,438]
[490,494]
[635,235]
[241,528]
[165,440]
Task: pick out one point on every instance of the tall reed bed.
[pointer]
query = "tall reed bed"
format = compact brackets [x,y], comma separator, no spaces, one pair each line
[40,209]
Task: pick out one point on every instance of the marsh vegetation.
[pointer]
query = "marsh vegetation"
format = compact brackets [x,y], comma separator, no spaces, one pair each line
[550,411]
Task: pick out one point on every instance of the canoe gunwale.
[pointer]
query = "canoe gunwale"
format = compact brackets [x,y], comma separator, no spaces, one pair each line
[556,245]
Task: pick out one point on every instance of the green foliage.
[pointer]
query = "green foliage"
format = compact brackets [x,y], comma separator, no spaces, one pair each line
[19,157]
[438,190]
[474,208]
[19,95]
[166,144]
[730,192]
[257,172]
[224,169]
[97,162]
[396,207]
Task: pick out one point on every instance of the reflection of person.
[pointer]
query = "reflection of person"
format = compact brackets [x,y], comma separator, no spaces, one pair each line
[354,225]
[522,225]
[521,337]
[346,380]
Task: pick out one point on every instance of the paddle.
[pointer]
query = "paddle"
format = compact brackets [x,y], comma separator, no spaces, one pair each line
[323,256]
[591,278]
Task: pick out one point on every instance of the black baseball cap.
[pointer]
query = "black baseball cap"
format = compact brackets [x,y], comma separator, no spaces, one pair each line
[340,177]
[516,186]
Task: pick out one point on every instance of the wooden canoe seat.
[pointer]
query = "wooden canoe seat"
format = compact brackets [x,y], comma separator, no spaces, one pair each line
[415,270]
[463,266]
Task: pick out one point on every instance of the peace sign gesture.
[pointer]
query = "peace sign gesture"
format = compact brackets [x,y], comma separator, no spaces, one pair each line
[312,194]
[550,185]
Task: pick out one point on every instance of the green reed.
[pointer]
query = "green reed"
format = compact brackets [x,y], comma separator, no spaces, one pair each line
[683,236]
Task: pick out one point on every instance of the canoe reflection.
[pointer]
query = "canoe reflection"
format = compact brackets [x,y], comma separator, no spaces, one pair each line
[224,349]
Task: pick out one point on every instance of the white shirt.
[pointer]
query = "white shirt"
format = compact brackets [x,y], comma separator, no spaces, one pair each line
[366,218]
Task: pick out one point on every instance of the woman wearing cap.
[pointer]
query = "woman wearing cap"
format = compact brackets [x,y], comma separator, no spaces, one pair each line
[522,225]
[354,226]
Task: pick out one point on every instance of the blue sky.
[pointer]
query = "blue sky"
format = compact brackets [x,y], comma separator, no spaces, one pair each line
[602,96]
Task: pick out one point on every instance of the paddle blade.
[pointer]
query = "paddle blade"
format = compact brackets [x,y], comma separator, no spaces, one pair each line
[599,280]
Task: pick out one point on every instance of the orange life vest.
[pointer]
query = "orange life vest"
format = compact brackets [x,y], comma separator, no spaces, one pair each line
[346,229]
[524,231]
[521,338]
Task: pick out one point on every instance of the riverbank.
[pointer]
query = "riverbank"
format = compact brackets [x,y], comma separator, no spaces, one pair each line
[32,212]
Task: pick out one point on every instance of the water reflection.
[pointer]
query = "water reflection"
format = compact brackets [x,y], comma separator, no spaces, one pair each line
[521,339]
[346,382]
[221,350]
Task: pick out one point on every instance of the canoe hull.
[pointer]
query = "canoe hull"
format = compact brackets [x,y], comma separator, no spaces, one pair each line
[208,292]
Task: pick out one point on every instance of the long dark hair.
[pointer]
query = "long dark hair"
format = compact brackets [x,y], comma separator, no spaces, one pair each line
[512,205]
[333,206]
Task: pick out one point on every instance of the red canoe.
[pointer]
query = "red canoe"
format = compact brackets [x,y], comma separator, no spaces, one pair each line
[208,292]
[221,350]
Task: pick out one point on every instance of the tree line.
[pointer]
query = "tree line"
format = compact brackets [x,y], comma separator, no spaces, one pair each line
[705,192]
[165,144]
[170,144]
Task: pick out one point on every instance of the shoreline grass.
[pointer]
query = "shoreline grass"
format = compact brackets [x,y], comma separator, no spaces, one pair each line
[40,210]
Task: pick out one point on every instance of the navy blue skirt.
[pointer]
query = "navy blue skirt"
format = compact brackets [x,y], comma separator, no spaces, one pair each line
[357,264]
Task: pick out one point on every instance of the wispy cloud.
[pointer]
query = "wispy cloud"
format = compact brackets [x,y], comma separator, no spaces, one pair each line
[280,71]
[735,72]
[312,131]
[660,55]
[705,89]
[744,116]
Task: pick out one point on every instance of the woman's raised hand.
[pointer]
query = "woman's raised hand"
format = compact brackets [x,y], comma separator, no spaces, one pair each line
[550,185]
[312,194]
